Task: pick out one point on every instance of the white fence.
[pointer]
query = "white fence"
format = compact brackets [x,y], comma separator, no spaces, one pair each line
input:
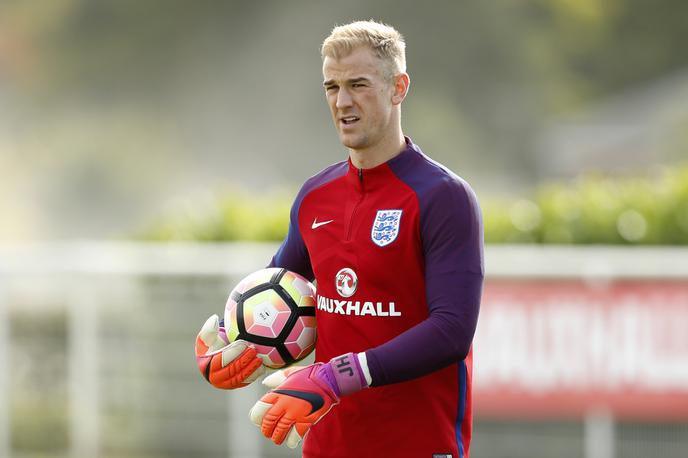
[96,346]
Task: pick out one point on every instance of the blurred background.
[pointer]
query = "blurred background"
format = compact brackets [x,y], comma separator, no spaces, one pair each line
[149,153]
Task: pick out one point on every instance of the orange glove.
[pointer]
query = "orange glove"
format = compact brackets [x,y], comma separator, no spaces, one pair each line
[225,365]
[303,395]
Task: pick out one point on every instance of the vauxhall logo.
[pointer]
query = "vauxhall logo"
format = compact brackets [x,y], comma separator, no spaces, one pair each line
[346,282]
[357,308]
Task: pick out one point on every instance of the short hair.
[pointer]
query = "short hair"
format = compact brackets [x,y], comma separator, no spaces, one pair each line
[385,41]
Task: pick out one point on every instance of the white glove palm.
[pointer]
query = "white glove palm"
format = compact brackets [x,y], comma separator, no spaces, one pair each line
[225,365]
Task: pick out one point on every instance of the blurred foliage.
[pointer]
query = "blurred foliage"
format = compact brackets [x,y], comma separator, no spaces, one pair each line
[592,209]
[596,209]
[598,45]
[39,401]
[108,108]
[40,427]
[235,215]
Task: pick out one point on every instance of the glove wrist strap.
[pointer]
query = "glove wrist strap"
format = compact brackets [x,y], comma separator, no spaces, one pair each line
[344,374]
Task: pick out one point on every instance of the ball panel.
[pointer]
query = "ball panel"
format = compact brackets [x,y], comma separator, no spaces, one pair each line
[272,330]
[256,278]
[306,338]
[270,356]
[231,325]
[301,339]
[263,308]
[298,288]
[307,301]
[300,351]
[287,282]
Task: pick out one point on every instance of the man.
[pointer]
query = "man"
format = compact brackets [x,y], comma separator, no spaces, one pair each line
[394,241]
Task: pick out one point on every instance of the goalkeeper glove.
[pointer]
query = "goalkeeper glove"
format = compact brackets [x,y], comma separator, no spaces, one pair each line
[303,395]
[225,365]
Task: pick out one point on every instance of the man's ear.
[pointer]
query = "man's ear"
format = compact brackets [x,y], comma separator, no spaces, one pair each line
[401,87]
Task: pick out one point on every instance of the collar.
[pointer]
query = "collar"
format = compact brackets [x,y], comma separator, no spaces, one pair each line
[366,180]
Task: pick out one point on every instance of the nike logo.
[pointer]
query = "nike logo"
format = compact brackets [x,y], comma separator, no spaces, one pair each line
[316,401]
[317,224]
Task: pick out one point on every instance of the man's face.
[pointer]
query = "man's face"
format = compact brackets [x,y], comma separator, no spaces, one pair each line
[359,97]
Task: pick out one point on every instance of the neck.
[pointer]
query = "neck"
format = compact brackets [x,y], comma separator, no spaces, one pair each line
[380,153]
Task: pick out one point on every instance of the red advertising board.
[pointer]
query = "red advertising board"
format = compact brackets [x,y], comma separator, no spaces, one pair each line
[561,348]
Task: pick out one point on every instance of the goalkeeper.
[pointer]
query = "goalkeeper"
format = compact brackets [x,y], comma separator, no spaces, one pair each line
[394,241]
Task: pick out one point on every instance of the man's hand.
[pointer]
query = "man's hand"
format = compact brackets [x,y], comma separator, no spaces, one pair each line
[225,365]
[301,396]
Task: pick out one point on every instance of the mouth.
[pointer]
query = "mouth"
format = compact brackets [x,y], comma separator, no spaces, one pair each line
[349,120]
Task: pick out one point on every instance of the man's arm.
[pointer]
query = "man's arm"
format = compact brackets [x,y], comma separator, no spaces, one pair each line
[292,254]
[452,234]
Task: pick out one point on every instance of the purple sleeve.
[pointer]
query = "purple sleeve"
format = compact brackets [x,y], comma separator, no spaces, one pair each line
[452,236]
[292,254]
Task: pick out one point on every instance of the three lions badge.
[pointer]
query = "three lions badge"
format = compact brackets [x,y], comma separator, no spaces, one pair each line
[385,227]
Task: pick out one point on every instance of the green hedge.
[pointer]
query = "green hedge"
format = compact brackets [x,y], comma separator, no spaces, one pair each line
[596,209]
[650,209]
[235,215]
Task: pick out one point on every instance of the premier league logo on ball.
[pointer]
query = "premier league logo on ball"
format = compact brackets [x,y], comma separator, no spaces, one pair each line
[385,227]
[346,282]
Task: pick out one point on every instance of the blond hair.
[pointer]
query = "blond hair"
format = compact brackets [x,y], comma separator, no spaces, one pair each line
[387,44]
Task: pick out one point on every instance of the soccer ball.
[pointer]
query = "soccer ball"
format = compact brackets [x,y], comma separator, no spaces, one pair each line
[273,309]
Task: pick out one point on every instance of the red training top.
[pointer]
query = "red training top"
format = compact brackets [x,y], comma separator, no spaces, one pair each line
[396,252]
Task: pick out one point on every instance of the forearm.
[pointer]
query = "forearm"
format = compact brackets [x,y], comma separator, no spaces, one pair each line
[445,337]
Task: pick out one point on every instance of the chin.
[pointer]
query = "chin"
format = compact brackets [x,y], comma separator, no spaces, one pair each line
[353,142]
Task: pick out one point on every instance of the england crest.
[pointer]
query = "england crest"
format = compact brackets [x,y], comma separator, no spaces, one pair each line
[385,227]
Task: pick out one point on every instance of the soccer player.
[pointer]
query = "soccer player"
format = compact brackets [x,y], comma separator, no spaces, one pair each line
[394,241]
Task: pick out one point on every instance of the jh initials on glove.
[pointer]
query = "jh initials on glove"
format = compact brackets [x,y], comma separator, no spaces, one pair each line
[225,365]
[303,395]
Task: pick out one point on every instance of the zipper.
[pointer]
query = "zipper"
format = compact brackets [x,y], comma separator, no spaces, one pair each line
[353,212]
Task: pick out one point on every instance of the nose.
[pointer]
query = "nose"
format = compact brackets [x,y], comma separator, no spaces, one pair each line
[343,98]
